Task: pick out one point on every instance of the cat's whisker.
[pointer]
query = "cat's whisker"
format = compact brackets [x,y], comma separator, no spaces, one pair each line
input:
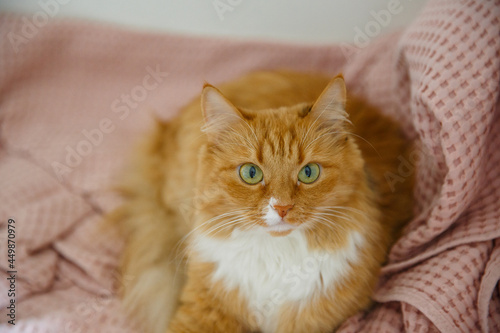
[207,127]
[347,218]
[183,253]
[319,137]
[235,215]
[242,137]
[344,132]
[213,220]
[227,137]
[337,213]
[224,225]
[351,209]
[228,140]
[212,232]
[333,223]
[312,124]
[249,144]
[225,215]
[368,142]
[235,144]
[343,116]
[336,233]
[252,130]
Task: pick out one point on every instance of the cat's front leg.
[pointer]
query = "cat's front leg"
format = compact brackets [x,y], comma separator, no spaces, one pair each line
[200,311]
[192,318]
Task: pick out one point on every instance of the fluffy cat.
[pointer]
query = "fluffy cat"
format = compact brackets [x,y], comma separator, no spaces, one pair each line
[262,207]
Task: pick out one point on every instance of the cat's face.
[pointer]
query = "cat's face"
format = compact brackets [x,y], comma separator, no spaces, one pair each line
[278,169]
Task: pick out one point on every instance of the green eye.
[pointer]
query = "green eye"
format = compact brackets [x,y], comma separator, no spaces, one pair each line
[251,174]
[309,173]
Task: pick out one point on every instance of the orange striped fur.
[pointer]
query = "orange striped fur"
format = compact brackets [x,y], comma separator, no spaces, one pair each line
[186,204]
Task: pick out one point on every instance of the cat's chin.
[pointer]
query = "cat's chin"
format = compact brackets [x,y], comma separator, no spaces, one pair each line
[280,229]
[280,233]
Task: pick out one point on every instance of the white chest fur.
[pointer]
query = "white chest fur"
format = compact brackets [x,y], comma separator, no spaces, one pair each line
[270,271]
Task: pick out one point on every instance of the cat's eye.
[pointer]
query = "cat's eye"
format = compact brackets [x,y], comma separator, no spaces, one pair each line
[251,174]
[309,173]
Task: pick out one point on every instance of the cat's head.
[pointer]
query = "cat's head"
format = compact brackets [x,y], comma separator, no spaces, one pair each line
[277,169]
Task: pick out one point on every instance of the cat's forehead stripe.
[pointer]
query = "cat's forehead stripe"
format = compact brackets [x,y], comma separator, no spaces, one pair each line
[281,145]
[260,155]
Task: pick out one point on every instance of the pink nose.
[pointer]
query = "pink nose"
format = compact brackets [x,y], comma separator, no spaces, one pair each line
[282,210]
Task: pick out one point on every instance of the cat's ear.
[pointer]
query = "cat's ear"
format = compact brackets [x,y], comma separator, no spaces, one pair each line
[219,113]
[330,105]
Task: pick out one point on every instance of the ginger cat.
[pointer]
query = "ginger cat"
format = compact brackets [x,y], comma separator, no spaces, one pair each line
[262,207]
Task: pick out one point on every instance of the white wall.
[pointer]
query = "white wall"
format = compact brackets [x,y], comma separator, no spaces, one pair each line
[316,21]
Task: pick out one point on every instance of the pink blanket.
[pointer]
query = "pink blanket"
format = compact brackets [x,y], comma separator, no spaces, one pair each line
[75,96]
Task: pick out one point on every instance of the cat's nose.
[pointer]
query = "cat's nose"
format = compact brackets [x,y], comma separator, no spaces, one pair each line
[282,210]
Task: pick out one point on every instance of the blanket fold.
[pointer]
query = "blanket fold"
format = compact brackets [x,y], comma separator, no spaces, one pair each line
[75,96]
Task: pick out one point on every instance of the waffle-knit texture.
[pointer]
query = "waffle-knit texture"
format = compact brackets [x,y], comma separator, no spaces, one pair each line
[439,78]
